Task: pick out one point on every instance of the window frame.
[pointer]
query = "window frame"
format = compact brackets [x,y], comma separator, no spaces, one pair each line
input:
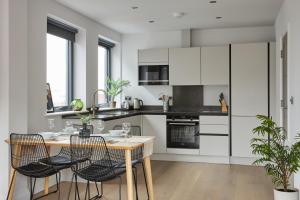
[108,46]
[60,29]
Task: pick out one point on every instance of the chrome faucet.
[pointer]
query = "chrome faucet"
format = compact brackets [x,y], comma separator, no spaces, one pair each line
[94,100]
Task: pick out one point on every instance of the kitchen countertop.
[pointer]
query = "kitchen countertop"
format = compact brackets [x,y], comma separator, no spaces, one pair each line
[153,110]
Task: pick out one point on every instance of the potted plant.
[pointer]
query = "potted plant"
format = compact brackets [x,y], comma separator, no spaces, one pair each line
[114,88]
[85,120]
[279,159]
[77,104]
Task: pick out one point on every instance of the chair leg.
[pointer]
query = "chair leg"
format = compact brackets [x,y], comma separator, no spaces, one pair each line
[10,185]
[58,185]
[98,194]
[145,180]
[134,171]
[70,189]
[76,190]
[120,188]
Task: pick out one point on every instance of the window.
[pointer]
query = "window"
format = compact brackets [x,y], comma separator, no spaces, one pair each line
[60,43]
[104,68]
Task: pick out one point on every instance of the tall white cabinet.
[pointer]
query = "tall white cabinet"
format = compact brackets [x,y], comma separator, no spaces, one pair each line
[249,93]
[184,66]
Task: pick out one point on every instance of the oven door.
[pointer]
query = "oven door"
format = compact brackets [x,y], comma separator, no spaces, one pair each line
[183,134]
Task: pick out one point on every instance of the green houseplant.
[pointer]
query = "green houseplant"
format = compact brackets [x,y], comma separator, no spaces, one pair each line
[114,88]
[279,159]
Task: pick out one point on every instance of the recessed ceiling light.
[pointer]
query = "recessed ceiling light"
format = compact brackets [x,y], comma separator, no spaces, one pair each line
[178,14]
[134,7]
[219,17]
[212,1]
[151,21]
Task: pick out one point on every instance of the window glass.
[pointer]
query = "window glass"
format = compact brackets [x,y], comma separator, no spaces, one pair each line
[103,67]
[57,69]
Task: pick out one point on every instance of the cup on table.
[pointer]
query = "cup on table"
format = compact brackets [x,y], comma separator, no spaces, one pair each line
[126,128]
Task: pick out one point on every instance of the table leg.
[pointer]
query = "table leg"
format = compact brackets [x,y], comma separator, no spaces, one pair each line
[147,164]
[11,183]
[13,171]
[129,174]
[46,180]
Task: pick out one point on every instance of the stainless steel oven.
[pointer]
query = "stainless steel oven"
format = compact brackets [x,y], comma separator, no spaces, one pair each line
[153,75]
[183,132]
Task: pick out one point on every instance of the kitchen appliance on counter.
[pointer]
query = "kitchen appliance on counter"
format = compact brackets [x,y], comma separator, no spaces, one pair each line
[183,132]
[127,104]
[153,74]
[137,103]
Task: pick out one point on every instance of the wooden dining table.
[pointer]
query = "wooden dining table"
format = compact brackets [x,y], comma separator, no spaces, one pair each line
[126,144]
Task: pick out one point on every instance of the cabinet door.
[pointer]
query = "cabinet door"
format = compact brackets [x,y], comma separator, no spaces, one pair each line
[184,66]
[249,79]
[155,125]
[242,134]
[215,65]
[153,56]
[214,145]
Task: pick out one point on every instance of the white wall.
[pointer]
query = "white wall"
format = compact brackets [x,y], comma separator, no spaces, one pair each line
[207,37]
[4,97]
[288,20]
[132,42]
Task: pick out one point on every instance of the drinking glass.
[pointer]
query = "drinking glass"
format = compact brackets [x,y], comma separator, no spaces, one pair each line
[126,128]
[100,125]
[51,124]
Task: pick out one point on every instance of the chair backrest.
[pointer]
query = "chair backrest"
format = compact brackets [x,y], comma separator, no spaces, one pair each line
[134,130]
[26,149]
[79,126]
[89,150]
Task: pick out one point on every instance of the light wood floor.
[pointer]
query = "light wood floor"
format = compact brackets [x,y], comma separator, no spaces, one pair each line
[193,181]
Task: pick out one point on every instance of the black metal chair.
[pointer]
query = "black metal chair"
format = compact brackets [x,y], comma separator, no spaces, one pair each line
[27,151]
[98,165]
[137,156]
[63,158]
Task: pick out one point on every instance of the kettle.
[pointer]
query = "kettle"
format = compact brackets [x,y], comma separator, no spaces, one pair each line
[126,103]
[137,103]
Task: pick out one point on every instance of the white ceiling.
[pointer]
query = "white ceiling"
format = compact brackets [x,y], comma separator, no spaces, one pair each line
[118,14]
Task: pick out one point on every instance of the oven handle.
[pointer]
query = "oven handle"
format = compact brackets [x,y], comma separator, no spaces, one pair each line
[184,124]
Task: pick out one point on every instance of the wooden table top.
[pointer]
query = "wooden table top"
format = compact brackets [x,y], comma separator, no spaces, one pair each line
[119,143]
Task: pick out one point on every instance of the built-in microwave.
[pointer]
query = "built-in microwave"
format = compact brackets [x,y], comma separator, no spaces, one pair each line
[153,74]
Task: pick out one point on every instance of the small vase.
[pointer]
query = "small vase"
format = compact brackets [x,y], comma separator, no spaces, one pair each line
[84,131]
[113,104]
[290,195]
[77,105]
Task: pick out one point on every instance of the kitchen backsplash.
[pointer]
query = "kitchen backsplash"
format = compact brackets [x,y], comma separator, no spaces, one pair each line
[188,96]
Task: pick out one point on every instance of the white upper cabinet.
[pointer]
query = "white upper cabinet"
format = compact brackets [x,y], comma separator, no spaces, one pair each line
[249,79]
[184,66]
[215,65]
[153,56]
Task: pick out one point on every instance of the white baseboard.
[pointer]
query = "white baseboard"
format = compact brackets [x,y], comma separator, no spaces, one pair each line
[191,158]
[241,160]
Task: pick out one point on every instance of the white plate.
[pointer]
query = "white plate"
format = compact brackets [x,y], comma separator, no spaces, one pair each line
[49,135]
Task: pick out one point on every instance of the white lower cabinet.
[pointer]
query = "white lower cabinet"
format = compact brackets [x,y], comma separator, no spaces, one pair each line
[242,134]
[214,145]
[155,125]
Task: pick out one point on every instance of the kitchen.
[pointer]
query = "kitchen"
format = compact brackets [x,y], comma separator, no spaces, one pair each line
[195,86]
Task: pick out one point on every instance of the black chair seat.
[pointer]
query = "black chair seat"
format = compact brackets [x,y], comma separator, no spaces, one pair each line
[60,160]
[38,170]
[99,173]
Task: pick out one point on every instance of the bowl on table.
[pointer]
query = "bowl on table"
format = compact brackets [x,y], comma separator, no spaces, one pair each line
[49,135]
[116,133]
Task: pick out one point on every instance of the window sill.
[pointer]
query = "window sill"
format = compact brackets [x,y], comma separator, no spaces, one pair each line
[64,113]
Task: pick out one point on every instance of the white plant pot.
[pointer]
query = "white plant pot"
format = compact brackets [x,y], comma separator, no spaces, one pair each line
[280,195]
